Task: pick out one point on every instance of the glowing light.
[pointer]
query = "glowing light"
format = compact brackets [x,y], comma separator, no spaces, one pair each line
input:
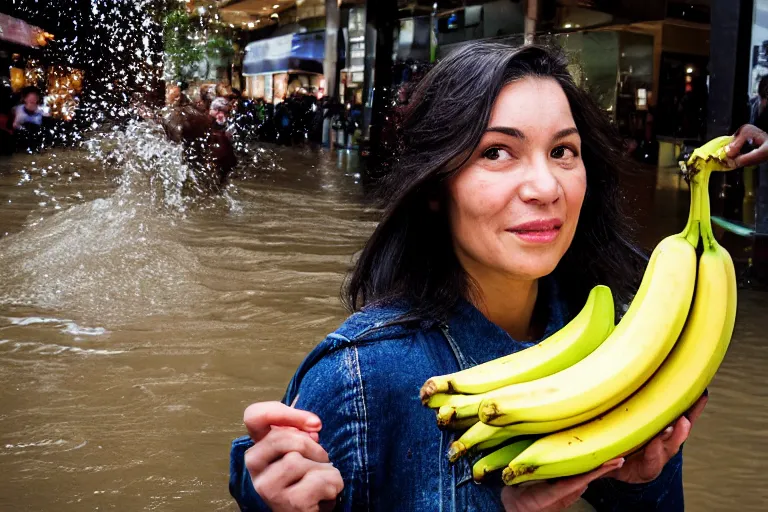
[567,25]
[689,70]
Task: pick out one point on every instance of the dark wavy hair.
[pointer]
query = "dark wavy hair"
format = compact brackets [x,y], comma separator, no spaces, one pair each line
[410,257]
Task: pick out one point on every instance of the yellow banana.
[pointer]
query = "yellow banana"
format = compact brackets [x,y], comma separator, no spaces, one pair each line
[630,355]
[677,384]
[455,407]
[499,459]
[572,343]
[482,436]
[462,424]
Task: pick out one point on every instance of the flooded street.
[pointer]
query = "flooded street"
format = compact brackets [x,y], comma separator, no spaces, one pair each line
[135,327]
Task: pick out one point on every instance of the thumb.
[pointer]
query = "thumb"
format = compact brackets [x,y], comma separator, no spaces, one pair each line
[261,416]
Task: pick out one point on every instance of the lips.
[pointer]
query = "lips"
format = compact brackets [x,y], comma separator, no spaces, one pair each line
[538,225]
[538,231]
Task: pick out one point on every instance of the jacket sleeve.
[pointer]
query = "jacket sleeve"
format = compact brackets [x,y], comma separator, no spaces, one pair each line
[332,389]
[665,494]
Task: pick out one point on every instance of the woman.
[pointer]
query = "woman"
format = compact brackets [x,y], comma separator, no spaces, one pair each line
[502,212]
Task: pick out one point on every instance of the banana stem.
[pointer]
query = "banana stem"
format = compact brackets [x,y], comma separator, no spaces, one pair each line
[691,230]
[705,222]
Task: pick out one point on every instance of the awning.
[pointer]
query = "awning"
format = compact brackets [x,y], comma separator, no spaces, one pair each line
[20,32]
[302,52]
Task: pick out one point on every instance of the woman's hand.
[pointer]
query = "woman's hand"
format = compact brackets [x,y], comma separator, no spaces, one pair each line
[756,137]
[553,496]
[647,464]
[288,468]
[641,467]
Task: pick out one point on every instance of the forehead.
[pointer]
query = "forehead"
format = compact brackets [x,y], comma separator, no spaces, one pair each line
[533,103]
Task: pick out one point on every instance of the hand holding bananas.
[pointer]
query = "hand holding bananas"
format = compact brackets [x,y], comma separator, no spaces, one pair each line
[591,392]
[754,136]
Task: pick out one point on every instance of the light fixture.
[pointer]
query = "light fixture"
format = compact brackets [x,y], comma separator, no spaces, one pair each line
[251,25]
[274,16]
[689,70]
[567,25]
[275,6]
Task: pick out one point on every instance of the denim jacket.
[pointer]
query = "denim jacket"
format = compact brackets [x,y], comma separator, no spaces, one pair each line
[363,382]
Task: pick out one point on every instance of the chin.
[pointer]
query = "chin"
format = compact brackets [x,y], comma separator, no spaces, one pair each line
[534,268]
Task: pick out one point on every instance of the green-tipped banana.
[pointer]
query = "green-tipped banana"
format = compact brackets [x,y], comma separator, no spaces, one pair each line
[580,337]
[482,436]
[677,384]
[499,459]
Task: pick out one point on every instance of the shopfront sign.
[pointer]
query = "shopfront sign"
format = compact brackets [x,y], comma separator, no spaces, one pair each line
[293,52]
[17,31]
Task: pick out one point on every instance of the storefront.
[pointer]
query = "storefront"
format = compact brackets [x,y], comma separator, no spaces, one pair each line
[22,53]
[284,66]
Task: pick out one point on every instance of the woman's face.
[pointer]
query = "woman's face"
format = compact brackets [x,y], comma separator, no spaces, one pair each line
[514,206]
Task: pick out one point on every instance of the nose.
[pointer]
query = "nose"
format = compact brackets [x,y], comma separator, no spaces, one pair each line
[540,186]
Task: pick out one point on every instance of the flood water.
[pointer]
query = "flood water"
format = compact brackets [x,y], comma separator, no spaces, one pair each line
[135,326]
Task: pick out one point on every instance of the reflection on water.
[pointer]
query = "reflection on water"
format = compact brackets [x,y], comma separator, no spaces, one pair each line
[136,324]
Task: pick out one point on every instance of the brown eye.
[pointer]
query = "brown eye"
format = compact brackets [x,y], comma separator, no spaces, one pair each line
[561,152]
[496,154]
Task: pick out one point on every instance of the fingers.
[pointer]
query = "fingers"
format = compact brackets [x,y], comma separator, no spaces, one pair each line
[296,483]
[568,486]
[259,418]
[695,411]
[756,137]
[547,496]
[754,157]
[321,485]
[280,443]
[566,501]
[312,435]
[653,457]
[681,430]
[663,447]
[739,139]
[290,469]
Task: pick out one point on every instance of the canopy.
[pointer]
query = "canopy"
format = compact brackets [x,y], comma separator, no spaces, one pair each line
[20,32]
[303,52]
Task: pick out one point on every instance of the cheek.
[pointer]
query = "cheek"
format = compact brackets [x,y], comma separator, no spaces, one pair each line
[574,190]
[475,199]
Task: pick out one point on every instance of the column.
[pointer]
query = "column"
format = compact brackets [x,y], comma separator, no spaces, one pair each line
[380,23]
[330,64]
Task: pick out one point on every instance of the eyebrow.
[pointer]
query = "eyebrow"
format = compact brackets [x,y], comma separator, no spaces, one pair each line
[514,132]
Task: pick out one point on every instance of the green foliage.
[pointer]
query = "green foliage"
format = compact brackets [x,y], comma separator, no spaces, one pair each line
[186,44]
[181,49]
[218,46]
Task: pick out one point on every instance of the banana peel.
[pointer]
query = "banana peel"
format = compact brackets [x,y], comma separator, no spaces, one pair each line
[712,156]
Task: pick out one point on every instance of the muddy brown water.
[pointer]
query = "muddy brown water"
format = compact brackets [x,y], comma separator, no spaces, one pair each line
[134,328]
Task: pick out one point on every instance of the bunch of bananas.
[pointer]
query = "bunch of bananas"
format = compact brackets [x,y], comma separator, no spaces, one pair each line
[595,391]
